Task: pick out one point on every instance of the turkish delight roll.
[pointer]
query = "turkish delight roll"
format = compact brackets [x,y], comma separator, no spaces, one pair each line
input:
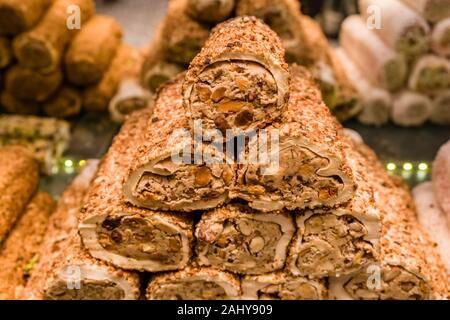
[440,38]
[410,108]
[64,104]
[65,270]
[432,10]
[297,167]
[430,75]
[239,80]
[210,11]
[17,16]
[11,104]
[171,171]
[126,236]
[43,46]
[194,284]
[380,63]
[20,250]
[92,50]
[237,239]
[440,110]
[5,52]
[18,182]
[282,286]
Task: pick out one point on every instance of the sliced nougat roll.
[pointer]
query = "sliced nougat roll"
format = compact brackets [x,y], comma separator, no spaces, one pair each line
[123,235]
[282,286]
[239,80]
[168,170]
[238,239]
[307,167]
[340,240]
[194,284]
[65,270]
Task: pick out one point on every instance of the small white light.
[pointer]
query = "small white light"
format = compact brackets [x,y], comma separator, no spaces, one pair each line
[423,166]
[407,166]
[391,166]
[68,163]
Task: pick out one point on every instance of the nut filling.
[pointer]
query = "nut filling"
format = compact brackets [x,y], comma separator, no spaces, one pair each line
[240,245]
[396,284]
[333,244]
[234,94]
[190,290]
[89,290]
[140,239]
[167,184]
[297,183]
[290,290]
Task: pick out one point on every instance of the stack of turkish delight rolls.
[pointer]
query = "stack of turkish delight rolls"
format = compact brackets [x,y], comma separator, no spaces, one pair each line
[396,54]
[186,219]
[57,58]
[186,27]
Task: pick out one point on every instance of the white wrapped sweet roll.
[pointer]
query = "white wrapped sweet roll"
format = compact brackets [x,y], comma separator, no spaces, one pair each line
[411,109]
[432,10]
[210,11]
[129,98]
[380,63]
[440,38]
[430,74]
[440,110]
[375,103]
[400,27]
[282,286]
[433,219]
[339,240]
[239,80]
[238,239]
[441,178]
[194,284]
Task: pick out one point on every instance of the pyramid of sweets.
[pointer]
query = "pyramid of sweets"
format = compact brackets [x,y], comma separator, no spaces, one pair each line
[187,24]
[396,54]
[177,198]
[57,58]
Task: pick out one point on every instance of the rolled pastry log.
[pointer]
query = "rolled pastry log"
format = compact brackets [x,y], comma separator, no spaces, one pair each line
[382,65]
[19,251]
[5,52]
[239,80]
[341,240]
[160,181]
[430,74]
[306,170]
[92,50]
[130,97]
[440,38]
[410,109]
[96,98]
[18,181]
[125,236]
[282,286]
[400,27]
[65,270]
[18,106]
[194,284]
[409,266]
[433,220]
[432,10]
[441,178]
[183,36]
[375,103]
[440,110]
[210,11]
[17,16]
[28,84]
[237,239]
[64,104]
[43,46]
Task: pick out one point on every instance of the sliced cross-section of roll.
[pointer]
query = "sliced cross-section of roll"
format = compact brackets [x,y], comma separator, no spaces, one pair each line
[194,284]
[300,168]
[168,170]
[239,80]
[17,16]
[432,10]
[410,108]
[380,63]
[65,270]
[338,241]
[237,239]
[440,38]
[210,11]
[123,235]
[430,74]
[282,286]
[440,110]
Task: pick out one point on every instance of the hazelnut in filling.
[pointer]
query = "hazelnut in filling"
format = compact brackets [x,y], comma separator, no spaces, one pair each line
[89,290]
[190,290]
